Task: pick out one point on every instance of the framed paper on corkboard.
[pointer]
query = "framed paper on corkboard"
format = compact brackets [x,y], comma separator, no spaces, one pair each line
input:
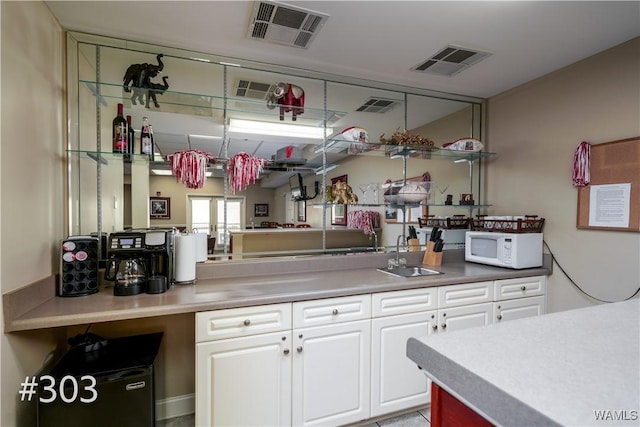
[611,201]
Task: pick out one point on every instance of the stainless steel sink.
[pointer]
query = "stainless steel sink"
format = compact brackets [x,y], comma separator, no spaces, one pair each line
[409,271]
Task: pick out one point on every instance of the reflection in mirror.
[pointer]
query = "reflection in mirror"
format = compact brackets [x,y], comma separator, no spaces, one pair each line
[191,115]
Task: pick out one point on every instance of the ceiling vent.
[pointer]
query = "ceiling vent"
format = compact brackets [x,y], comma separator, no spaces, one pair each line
[377,105]
[253,90]
[450,61]
[284,24]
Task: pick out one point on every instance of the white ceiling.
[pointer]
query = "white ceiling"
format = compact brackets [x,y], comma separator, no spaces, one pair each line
[382,40]
[373,40]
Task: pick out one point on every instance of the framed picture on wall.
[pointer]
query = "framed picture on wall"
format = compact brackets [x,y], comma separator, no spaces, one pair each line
[261,209]
[159,207]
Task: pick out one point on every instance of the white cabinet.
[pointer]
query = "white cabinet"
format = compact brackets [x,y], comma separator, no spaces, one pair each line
[518,308]
[519,298]
[464,306]
[331,363]
[396,382]
[337,361]
[243,360]
[244,381]
[463,317]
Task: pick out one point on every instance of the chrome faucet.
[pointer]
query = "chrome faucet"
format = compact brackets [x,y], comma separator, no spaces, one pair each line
[398,262]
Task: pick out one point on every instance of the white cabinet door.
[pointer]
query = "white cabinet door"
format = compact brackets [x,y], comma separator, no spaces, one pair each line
[396,382]
[331,374]
[244,381]
[518,308]
[467,316]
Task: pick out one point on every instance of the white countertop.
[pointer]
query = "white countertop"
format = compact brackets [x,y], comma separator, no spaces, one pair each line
[555,369]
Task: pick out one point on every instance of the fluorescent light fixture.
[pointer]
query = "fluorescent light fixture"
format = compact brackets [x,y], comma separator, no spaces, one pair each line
[277,129]
[321,170]
[191,135]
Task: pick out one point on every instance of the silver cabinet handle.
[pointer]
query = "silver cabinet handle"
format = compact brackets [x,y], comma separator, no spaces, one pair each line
[247,322]
[299,349]
[435,327]
[286,351]
[444,326]
[335,311]
[523,288]
[499,316]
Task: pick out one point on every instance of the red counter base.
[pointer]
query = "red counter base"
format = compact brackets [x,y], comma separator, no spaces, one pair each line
[447,411]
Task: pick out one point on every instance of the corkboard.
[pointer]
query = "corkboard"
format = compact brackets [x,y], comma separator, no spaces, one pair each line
[616,162]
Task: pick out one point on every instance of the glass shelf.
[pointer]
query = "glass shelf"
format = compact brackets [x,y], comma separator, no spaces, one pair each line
[392,151]
[172,101]
[106,156]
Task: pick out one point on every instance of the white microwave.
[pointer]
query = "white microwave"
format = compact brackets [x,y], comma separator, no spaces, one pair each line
[511,250]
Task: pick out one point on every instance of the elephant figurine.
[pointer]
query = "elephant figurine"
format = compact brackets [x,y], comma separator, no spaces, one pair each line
[290,97]
[150,92]
[140,75]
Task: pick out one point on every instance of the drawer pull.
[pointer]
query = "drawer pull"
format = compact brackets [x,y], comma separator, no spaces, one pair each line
[299,349]
[523,288]
[444,326]
[247,322]
[335,311]
[435,327]
[286,351]
[499,316]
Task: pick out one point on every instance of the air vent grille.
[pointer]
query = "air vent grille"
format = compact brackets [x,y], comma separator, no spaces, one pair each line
[450,61]
[253,90]
[377,105]
[285,24]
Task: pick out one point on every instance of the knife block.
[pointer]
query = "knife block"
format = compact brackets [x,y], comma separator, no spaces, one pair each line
[431,257]
[413,245]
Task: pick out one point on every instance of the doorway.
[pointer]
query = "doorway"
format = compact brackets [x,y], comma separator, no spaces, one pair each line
[207,215]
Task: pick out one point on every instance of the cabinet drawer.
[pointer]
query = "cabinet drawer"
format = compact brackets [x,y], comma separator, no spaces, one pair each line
[465,294]
[519,288]
[403,302]
[332,310]
[238,322]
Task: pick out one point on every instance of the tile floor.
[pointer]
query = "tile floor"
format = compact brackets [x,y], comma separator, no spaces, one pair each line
[412,419]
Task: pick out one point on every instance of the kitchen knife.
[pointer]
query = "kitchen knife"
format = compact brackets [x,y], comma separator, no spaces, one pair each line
[438,246]
[434,232]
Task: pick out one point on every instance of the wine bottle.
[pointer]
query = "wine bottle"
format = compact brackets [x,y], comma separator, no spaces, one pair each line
[146,138]
[131,139]
[120,132]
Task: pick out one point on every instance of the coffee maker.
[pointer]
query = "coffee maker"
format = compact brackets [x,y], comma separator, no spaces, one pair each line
[127,263]
[141,260]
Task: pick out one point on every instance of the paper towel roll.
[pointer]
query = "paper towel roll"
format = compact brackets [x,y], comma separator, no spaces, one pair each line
[201,247]
[185,245]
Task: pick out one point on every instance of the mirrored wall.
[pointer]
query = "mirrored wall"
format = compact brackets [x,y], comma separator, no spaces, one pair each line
[201,101]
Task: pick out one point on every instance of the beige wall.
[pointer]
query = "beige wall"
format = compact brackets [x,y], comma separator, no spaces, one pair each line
[535,129]
[31,175]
